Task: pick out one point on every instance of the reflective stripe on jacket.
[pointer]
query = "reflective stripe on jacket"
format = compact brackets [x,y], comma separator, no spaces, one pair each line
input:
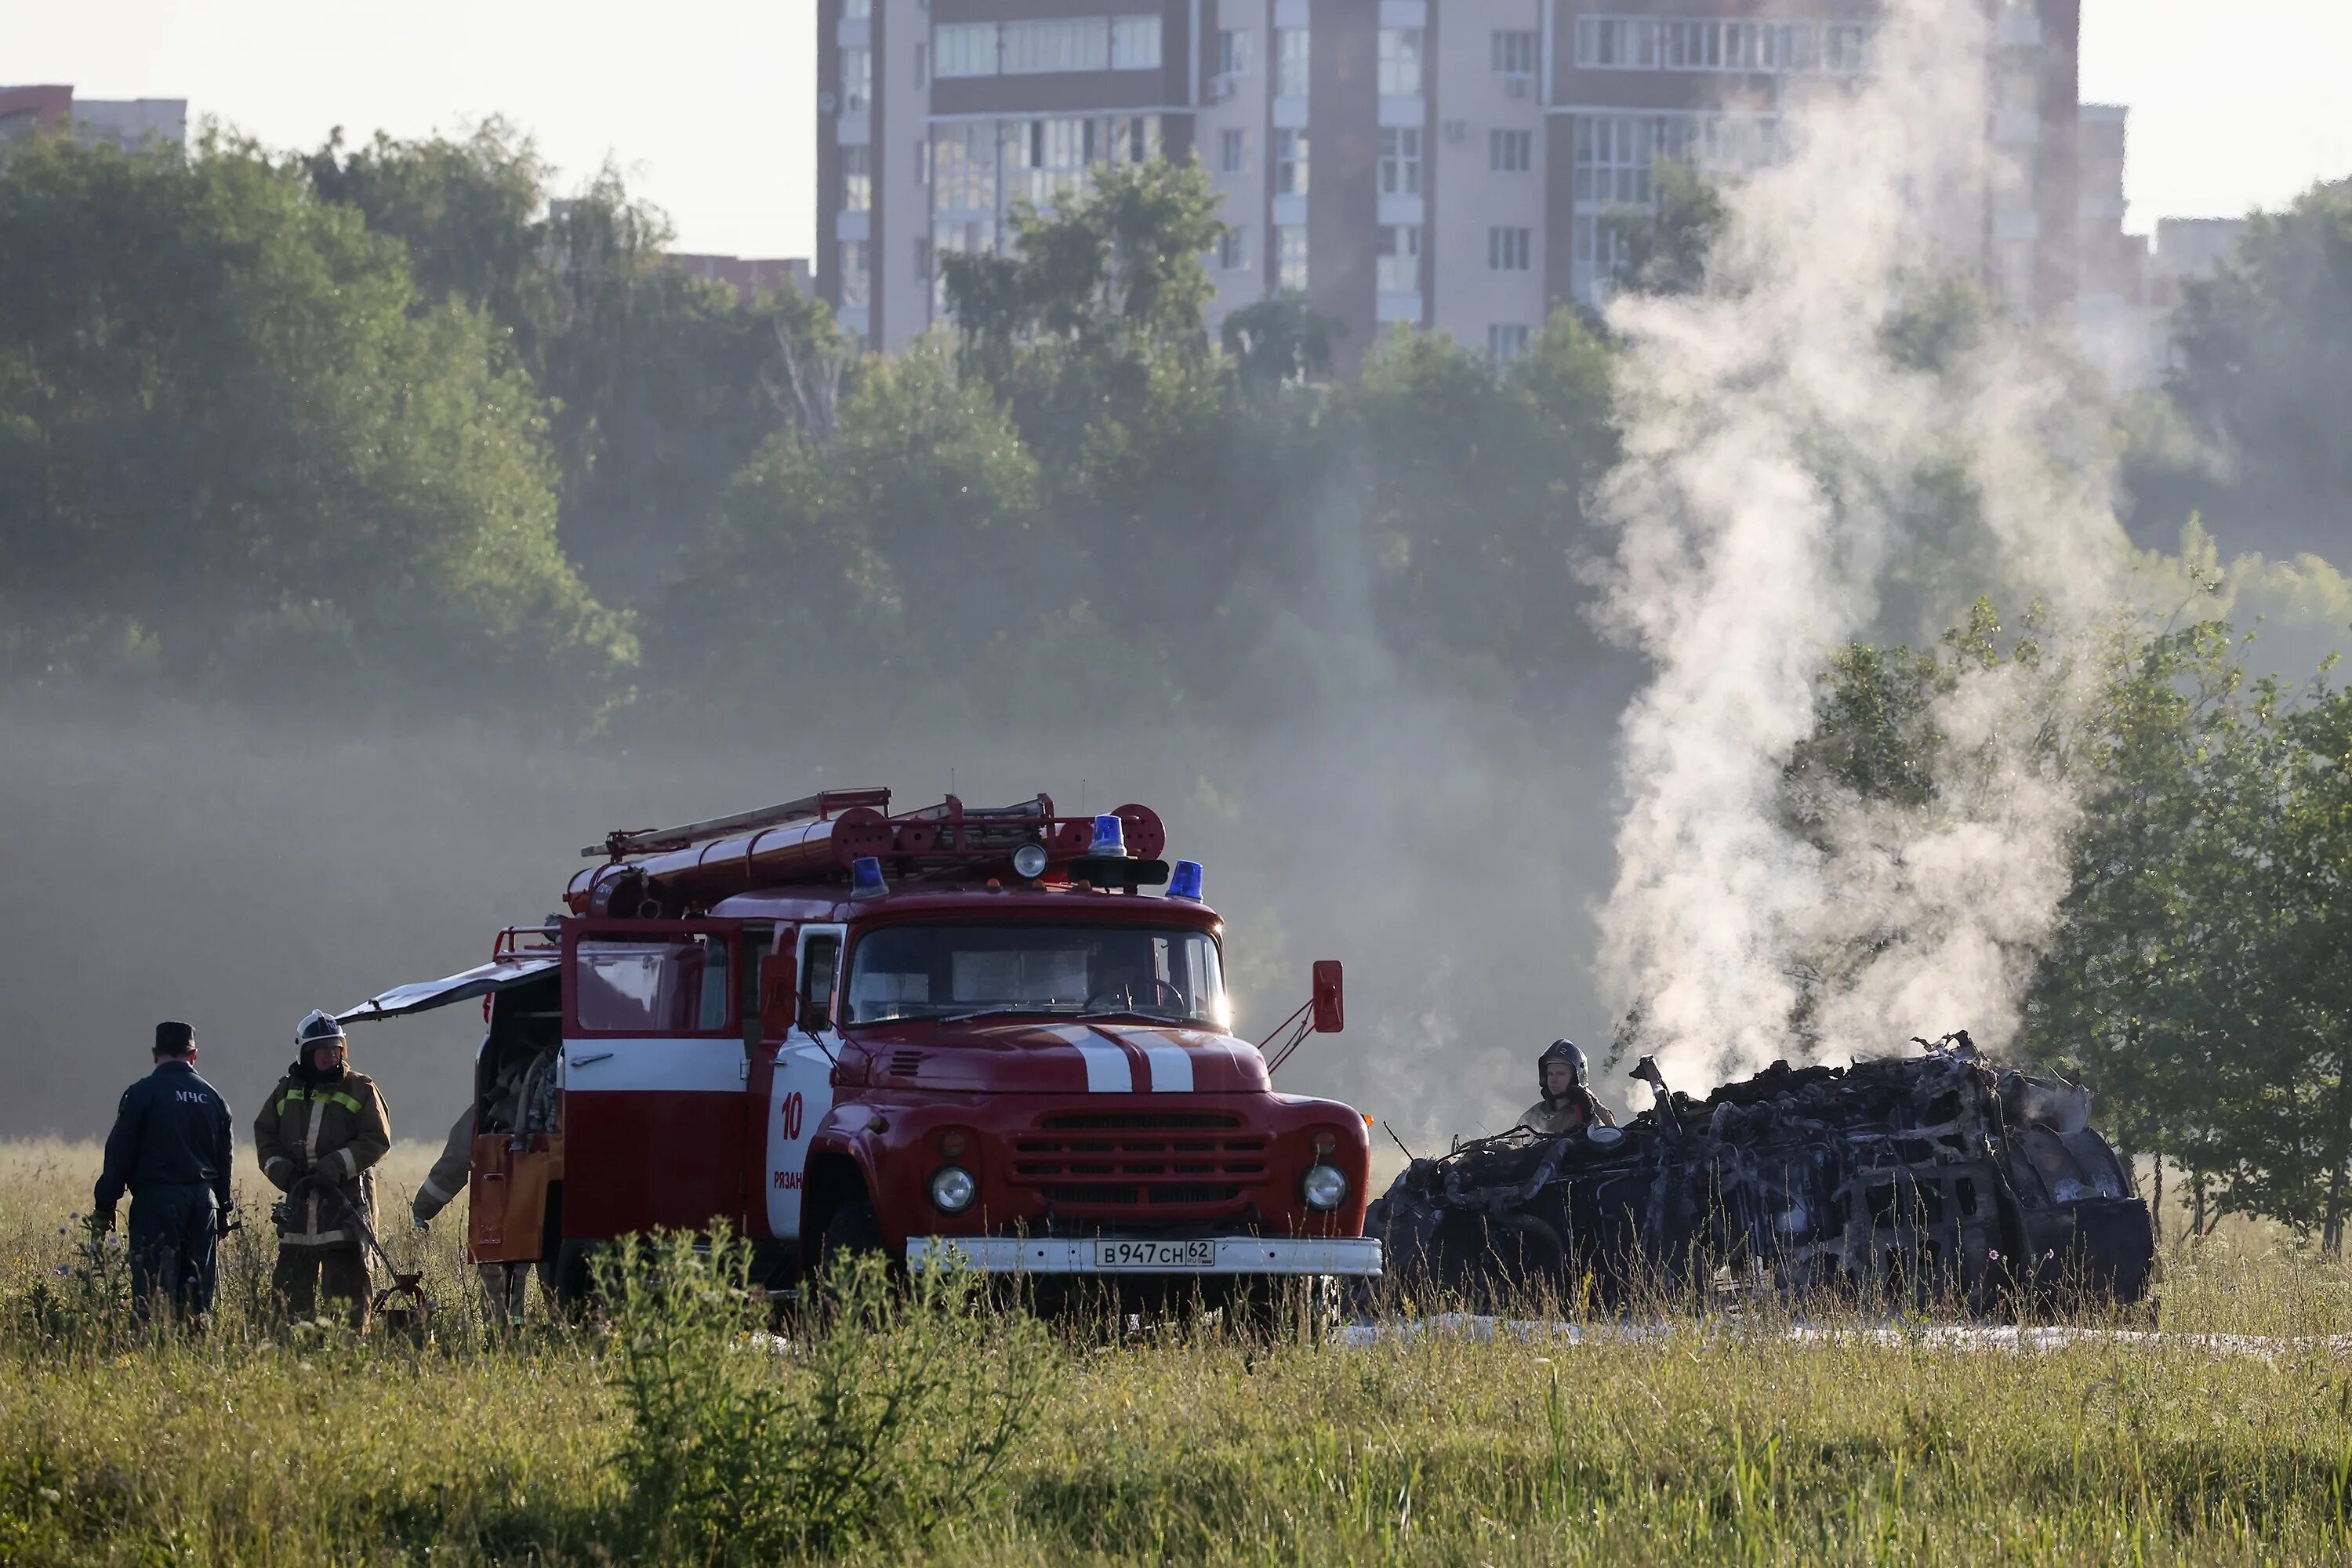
[449,1174]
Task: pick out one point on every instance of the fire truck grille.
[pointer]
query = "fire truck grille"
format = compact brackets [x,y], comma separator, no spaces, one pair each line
[1142,1161]
[1124,1120]
[1171,1194]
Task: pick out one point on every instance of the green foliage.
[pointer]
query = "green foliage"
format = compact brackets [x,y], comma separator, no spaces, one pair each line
[1280,341]
[1472,486]
[658,385]
[236,446]
[1115,266]
[894,1411]
[1665,251]
[2262,366]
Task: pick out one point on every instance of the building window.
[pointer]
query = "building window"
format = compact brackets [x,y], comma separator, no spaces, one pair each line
[1515,54]
[1511,152]
[1134,43]
[1233,249]
[857,179]
[1232,151]
[1290,62]
[922,65]
[1850,48]
[1398,268]
[1399,69]
[856,10]
[1290,258]
[1613,156]
[1509,249]
[1709,44]
[856,275]
[1290,162]
[1506,343]
[1399,161]
[857,80]
[1232,52]
[1074,44]
[964,49]
[923,162]
[923,259]
[963,169]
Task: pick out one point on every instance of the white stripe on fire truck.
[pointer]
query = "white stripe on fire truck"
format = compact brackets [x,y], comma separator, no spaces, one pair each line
[1171,1068]
[1107,1071]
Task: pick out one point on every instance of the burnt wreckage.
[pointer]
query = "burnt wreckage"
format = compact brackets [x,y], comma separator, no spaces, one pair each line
[1936,1176]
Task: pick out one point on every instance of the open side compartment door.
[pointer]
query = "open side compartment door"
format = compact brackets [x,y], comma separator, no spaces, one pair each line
[512,1172]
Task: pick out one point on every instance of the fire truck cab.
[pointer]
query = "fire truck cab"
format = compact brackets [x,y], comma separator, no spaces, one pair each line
[999,1037]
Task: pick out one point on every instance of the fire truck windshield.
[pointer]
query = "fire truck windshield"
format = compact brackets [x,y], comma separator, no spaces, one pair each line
[958,971]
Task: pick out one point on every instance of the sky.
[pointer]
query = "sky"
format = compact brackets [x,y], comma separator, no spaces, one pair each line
[2235,103]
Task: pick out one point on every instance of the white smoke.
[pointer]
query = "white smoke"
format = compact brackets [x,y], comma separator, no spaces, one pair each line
[1774,453]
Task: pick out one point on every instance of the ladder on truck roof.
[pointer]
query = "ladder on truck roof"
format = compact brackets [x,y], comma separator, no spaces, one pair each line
[657,840]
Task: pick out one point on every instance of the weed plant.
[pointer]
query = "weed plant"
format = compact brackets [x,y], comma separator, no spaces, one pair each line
[691,1422]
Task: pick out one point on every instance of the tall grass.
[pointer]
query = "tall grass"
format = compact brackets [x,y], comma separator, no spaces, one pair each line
[1711,1434]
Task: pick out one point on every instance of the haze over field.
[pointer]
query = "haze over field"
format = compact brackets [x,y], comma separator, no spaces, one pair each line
[349,591]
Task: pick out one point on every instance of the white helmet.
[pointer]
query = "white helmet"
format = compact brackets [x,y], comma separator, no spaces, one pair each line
[316,1029]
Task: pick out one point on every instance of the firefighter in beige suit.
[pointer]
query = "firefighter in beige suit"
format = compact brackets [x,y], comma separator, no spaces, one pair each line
[503,1284]
[320,1135]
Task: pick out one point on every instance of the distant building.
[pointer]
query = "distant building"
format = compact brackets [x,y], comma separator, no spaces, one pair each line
[126,122]
[1442,164]
[750,275]
[2129,290]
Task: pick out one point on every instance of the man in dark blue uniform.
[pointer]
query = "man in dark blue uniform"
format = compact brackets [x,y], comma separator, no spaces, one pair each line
[170,1147]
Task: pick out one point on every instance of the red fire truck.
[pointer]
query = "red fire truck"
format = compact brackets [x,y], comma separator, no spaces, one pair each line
[997,1033]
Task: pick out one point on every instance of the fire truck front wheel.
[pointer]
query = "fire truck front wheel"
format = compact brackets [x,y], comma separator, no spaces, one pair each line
[853,1228]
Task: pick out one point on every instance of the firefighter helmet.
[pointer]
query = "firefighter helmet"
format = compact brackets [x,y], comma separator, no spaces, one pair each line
[316,1029]
[1560,1051]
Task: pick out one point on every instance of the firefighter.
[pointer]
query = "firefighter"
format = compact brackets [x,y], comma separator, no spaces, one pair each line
[320,1135]
[170,1146]
[502,1284]
[1567,1106]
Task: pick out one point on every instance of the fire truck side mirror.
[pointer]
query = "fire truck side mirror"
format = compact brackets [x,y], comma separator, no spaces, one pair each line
[780,988]
[1330,997]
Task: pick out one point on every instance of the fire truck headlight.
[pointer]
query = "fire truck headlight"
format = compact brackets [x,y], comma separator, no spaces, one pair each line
[1324,1187]
[1029,861]
[952,1189]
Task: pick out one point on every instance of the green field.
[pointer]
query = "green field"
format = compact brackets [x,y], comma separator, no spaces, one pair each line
[1716,1441]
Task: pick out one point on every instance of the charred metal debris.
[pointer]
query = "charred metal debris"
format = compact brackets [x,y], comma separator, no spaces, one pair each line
[1932,1178]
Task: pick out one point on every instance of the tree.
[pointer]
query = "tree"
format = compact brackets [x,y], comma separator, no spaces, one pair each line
[2262,366]
[659,384]
[1280,341]
[236,446]
[1664,250]
[886,554]
[1472,481]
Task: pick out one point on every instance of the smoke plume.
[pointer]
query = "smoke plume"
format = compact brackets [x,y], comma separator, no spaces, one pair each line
[1779,498]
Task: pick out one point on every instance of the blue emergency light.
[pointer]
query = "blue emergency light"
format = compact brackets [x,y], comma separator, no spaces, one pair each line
[1110,838]
[866,878]
[1185,882]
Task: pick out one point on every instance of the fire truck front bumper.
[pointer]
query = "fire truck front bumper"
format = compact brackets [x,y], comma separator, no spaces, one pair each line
[1358,1257]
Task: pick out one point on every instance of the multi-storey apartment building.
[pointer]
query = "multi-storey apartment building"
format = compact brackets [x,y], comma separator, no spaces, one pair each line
[1442,164]
[126,122]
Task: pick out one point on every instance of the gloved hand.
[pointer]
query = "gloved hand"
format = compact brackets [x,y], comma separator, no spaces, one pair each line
[225,1221]
[421,1222]
[102,1220]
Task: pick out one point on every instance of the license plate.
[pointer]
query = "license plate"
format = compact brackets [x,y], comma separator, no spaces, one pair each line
[1201,1253]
